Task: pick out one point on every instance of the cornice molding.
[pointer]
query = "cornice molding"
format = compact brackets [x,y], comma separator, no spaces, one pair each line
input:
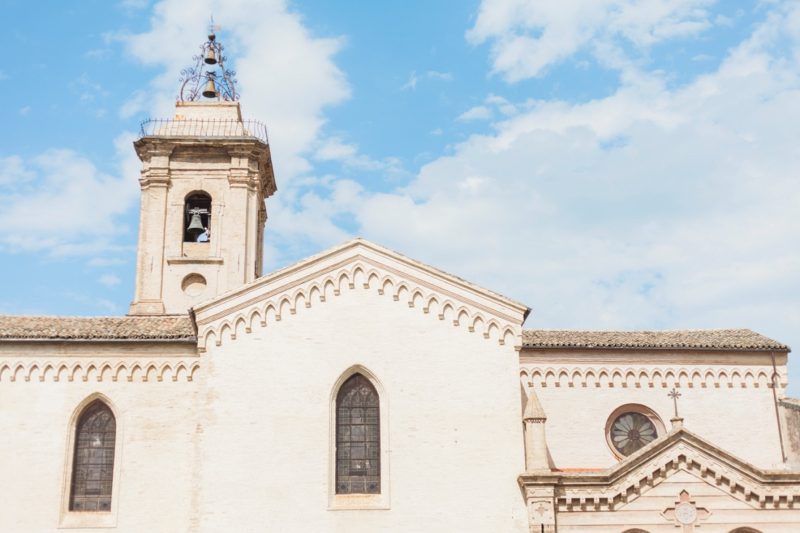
[356,273]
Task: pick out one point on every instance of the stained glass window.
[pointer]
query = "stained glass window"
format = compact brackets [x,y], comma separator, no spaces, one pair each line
[93,463]
[631,431]
[358,443]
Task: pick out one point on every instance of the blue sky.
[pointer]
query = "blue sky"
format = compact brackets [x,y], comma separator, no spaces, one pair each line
[614,164]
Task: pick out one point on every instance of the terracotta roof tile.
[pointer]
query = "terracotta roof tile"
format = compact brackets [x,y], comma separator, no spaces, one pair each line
[97,328]
[701,339]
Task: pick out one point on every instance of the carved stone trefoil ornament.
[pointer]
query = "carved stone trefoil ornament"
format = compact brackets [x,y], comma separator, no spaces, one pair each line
[208,77]
[685,513]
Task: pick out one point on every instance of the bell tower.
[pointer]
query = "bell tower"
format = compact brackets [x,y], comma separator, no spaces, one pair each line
[205,175]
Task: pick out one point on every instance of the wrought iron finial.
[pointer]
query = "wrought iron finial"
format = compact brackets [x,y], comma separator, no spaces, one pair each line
[208,78]
[674,394]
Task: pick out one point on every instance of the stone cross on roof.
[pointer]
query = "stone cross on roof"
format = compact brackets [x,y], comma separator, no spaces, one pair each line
[676,420]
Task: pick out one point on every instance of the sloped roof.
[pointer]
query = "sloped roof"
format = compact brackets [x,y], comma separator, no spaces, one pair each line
[700,339]
[97,328]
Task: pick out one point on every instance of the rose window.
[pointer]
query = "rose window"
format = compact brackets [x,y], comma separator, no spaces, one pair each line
[632,431]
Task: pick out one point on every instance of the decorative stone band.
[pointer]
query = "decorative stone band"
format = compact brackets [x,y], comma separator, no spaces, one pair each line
[649,377]
[99,371]
[361,275]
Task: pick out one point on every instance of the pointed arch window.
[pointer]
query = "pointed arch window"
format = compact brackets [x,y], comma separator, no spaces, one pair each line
[358,439]
[93,459]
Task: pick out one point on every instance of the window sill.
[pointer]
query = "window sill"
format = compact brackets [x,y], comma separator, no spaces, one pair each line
[354,502]
[78,519]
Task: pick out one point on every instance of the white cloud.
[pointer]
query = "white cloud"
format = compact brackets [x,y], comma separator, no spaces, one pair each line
[411,84]
[493,104]
[441,76]
[134,4]
[527,37]
[88,91]
[24,110]
[101,304]
[414,79]
[101,262]
[60,203]
[654,207]
[14,172]
[334,149]
[503,105]
[109,280]
[98,53]
[137,103]
[476,113]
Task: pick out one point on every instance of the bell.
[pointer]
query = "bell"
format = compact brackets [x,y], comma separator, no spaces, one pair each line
[211,57]
[196,222]
[210,90]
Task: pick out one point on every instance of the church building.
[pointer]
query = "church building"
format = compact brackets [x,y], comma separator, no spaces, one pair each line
[360,390]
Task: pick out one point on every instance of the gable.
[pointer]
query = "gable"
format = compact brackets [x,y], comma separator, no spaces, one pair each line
[359,265]
[678,453]
[701,490]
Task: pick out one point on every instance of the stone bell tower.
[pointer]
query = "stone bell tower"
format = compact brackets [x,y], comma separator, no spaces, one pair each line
[205,176]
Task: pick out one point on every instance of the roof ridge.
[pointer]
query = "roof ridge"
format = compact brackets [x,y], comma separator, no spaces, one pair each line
[127,327]
[705,339]
[84,317]
[638,330]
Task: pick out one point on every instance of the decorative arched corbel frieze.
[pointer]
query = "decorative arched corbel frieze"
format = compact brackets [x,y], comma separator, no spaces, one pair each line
[98,371]
[631,377]
[357,276]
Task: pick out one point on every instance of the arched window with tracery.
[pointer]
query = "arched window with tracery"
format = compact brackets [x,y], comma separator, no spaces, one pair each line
[358,442]
[93,460]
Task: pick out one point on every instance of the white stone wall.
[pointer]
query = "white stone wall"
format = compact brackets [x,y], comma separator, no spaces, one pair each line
[245,445]
[455,442]
[579,391]
[156,427]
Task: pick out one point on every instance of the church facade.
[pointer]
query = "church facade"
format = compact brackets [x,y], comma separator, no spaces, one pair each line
[360,390]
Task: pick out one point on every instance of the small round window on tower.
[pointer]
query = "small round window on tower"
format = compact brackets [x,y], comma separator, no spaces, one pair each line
[193,284]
